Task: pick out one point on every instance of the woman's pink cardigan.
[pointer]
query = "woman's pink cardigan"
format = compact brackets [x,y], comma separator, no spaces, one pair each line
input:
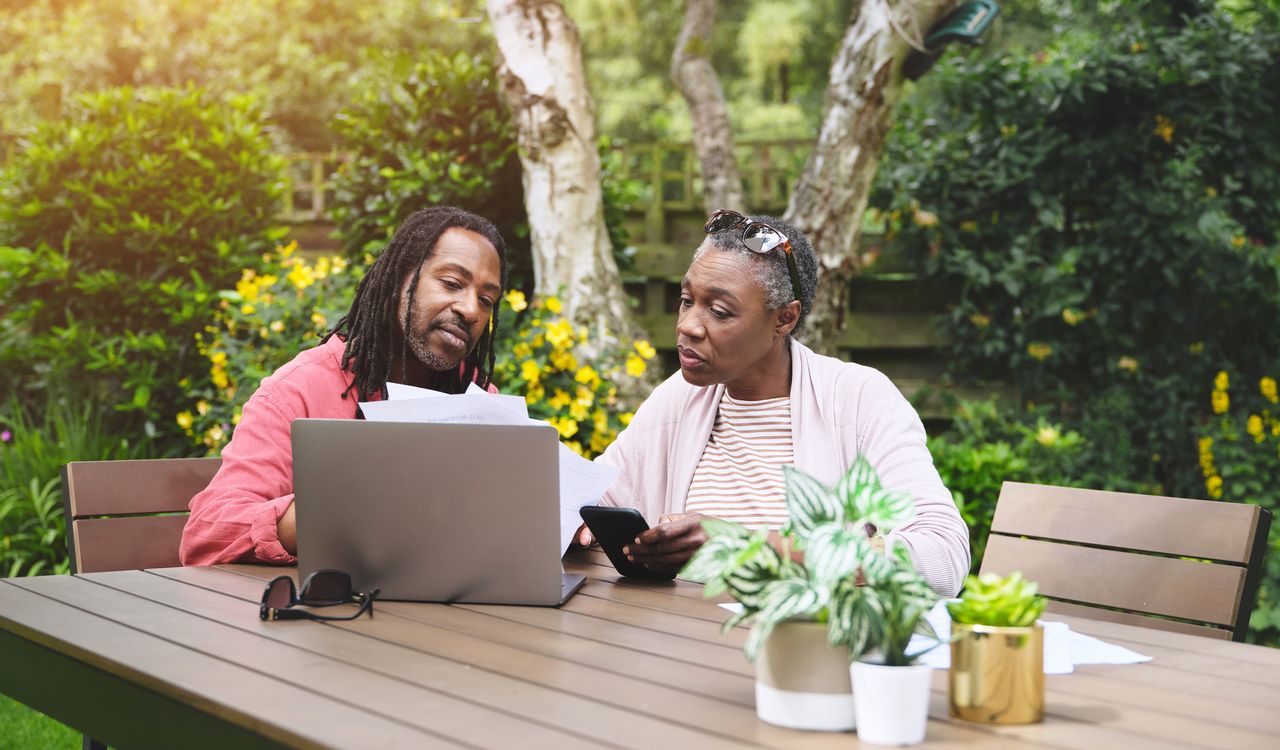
[838,410]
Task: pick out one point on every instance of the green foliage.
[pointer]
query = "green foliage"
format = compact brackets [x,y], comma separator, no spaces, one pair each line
[1108,209]
[430,132]
[893,607]
[278,308]
[28,729]
[537,356]
[121,220]
[1240,462]
[36,439]
[828,524]
[1009,602]
[302,59]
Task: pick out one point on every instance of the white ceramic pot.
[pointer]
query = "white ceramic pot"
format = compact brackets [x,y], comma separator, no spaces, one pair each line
[802,682]
[892,703]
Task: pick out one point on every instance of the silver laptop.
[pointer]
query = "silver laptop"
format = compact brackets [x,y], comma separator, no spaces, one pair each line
[432,512]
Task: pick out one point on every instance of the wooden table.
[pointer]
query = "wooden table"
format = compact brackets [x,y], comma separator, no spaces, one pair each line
[178,658]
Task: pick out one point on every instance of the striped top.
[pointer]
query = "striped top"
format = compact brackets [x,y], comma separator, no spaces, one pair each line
[739,477]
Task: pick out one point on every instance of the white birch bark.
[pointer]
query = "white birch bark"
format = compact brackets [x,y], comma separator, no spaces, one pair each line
[542,78]
[693,74]
[830,196]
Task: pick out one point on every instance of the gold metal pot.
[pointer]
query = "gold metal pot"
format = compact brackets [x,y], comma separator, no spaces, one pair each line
[997,674]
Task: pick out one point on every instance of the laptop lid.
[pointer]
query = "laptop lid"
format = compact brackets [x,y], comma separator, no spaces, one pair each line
[431,512]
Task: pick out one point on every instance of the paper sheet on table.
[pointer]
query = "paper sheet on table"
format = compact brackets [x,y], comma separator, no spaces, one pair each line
[1063,647]
[582,482]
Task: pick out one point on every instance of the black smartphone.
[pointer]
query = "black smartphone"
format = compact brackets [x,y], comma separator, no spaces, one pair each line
[615,528]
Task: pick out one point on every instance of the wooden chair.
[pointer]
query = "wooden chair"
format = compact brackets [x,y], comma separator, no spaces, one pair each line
[1122,557]
[128,515]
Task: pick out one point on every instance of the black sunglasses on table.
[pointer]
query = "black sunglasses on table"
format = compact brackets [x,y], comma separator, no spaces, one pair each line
[756,237]
[323,588]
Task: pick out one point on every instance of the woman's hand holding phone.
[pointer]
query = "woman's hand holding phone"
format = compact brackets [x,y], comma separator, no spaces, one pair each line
[669,545]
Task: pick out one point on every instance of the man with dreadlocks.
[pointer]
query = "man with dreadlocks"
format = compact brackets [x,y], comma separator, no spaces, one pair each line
[425,315]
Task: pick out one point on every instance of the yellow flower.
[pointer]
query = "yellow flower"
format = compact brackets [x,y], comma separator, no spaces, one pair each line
[516,300]
[522,350]
[1238,241]
[969,226]
[564,360]
[1221,402]
[1221,382]
[1164,128]
[1047,436]
[322,267]
[924,218]
[979,320]
[301,276]
[534,395]
[263,333]
[575,446]
[1071,317]
[1008,131]
[645,349]
[1214,485]
[635,366]
[1040,351]
[1196,349]
[288,249]
[247,309]
[584,396]
[587,376]
[560,334]
[1254,428]
[219,377]
[579,411]
[184,420]
[277,326]
[1268,388]
[1127,363]
[530,372]
[1136,47]
[1211,192]
[566,427]
[559,400]
[202,407]
[319,320]
[625,418]
[553,305]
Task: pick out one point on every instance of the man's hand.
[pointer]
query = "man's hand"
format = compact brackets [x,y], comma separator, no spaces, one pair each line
[582,537]
[669,545]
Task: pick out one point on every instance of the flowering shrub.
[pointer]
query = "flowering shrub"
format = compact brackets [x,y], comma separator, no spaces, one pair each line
[276,310]
[1240,462]
[538,357]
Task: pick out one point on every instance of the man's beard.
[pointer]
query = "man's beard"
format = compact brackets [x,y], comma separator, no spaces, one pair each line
[422,351]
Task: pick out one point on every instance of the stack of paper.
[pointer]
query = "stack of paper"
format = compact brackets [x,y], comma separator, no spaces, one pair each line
[581,481]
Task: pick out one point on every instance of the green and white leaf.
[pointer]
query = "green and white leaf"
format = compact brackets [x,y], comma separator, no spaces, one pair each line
[810,503]
[782,600]
[835,551]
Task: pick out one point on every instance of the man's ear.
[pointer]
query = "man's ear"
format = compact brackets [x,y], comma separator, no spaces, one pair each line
[787,317]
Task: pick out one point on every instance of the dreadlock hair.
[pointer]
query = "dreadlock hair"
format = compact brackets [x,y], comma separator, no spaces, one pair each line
[371,326]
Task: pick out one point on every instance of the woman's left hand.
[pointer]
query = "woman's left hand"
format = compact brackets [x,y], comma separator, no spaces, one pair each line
[669,545]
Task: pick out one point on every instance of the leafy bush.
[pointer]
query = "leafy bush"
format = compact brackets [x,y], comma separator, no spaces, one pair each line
[36,439]
[1107,208]
[538,357]
[430,132]
[121,221]
[1240,462]
[278,308]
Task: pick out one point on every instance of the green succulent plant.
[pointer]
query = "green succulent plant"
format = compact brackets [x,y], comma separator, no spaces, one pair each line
[988,599]
[828,524]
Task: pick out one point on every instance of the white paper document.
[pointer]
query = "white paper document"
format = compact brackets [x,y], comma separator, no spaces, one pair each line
[582,482]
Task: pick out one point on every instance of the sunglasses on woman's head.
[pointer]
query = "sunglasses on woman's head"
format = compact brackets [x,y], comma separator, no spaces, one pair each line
[323,588]
[756,237]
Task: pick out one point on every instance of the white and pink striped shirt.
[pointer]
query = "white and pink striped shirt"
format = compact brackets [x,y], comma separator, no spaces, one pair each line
[739,477]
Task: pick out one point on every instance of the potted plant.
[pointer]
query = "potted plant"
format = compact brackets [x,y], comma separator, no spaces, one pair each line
[787,586]
[877,621]
[997,651]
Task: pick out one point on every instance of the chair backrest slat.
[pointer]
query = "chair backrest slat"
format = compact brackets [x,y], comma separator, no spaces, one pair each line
[1168,525]
[1142,583]
[104,544]
[1142,621]
[113,488]
[111,509]
[1120,550]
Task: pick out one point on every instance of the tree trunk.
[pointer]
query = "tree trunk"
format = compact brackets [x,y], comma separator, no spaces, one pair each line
[830,197]
[542,78]
[712,135]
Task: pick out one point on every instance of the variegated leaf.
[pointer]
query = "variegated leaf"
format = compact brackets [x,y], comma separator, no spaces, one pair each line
[716,527]
[835,551]
[714,559]
[784,599]
[809,502]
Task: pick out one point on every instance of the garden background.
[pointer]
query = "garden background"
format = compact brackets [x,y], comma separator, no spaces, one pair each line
[1084,212]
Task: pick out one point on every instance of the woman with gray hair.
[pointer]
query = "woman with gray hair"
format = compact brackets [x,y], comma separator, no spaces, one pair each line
[749,398]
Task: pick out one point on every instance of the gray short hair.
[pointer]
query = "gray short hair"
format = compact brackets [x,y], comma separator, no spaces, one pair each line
[771,268]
